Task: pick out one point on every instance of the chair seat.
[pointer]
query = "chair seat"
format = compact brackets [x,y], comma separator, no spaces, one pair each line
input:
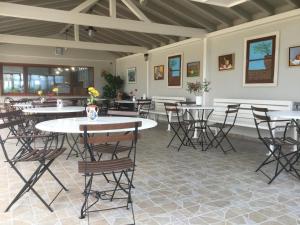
[109,148]
[39,154]
[105,166]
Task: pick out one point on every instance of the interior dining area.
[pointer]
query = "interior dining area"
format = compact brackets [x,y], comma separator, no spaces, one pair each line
[149,112]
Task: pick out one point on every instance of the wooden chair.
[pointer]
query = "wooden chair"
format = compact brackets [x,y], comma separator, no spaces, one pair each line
[121,168]
[43,155]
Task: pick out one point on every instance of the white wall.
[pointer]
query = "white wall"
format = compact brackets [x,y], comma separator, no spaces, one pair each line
[229,84]
[72,57]
[224,84]
[191,52]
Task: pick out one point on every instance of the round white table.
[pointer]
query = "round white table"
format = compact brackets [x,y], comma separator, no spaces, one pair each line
[52,110]
[195,107]
[71,125]
[126,102]
[23,105]
[289,115]
[285,115]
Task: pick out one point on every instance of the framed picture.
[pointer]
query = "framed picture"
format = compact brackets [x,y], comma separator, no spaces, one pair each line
[294,56]
[193,69]
[175,71]
[226,62]
[159,72]
[261,56]
[131,75]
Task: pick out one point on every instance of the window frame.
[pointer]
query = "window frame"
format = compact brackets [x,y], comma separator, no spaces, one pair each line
[25,77]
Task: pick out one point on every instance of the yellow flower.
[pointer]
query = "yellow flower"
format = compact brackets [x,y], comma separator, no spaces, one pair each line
[40,92]
[92,91]
[55,89]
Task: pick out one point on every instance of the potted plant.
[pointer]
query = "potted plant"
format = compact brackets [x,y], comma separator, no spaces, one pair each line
[198,88]
[92,109]
[113,86]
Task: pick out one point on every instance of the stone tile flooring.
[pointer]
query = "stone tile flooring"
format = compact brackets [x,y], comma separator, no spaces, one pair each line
[180,188]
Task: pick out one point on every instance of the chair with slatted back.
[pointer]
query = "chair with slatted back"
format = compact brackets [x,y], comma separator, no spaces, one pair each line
[111,112]
[143,107]
[43,149]
[224,128]
[121,169]
[180,127]
[281,156]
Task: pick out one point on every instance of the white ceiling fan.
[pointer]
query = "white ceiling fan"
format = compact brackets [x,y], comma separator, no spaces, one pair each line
[223,3]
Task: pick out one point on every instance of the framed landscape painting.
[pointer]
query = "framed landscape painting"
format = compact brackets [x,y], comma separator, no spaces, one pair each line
[294,56]
[131,75]
[175,71]
[261,55]
[193,69]
[159,72]
[226,62]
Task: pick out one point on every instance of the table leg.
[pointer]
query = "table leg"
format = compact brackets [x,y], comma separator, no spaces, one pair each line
[73,146]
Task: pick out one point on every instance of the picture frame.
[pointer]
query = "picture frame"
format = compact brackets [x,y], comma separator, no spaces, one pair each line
[159,72]
[131,75]
[226,62]
[261,60]
[294,56]
[193,69]
[175,71]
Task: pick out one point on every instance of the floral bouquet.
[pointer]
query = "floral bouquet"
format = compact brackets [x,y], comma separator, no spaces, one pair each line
[198,88]
[93,94]
[55,90]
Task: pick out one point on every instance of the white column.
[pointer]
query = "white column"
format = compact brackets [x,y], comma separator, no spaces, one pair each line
[148,76]
[204,70]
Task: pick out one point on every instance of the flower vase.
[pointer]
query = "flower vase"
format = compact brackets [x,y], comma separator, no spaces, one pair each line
[59,103]
[42,100]
[198,100]
[133,98]
[92,112]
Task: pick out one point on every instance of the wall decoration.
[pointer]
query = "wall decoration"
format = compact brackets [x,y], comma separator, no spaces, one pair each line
[294,56]
[226,62]
[131,75]
[159,72]
[175,70]
[193,69]
[260,67]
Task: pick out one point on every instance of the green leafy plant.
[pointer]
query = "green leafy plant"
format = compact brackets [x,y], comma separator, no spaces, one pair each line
[114,83]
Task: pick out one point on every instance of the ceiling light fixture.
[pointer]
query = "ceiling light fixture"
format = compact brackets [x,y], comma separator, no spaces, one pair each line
[91,31]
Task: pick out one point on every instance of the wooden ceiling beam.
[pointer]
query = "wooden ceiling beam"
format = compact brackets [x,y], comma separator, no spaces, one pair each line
[61,16]
[27,40]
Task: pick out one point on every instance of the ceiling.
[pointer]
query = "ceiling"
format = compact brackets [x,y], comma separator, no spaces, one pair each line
[174,12]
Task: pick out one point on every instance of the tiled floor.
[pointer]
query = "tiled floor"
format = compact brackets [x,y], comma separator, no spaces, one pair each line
[180,188]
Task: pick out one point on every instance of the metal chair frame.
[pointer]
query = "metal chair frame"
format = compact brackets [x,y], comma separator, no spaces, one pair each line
[118,167]
[44,156]
[179,126]
[224,129]
[275,145]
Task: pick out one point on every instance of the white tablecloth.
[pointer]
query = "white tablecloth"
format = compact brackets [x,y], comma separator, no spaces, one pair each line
[51,110]
[71,125]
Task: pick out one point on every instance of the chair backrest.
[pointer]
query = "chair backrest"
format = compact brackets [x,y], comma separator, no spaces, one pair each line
[143,107]
[171,108]
[114,134]
[231,114]
[262,120]
[122,113]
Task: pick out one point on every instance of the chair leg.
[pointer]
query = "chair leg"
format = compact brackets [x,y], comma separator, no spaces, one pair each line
[87,191]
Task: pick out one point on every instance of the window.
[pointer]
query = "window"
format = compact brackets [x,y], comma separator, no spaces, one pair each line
[28,79]
[13,79]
